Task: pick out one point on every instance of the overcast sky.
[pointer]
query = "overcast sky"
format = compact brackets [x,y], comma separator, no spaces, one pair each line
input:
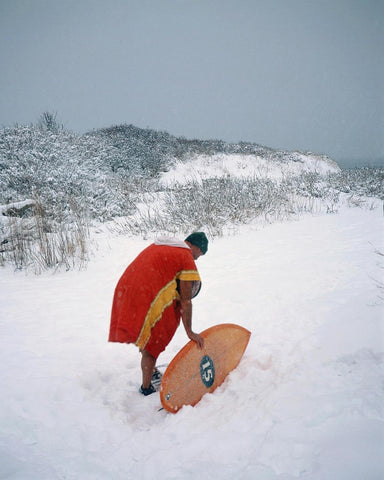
[290,74]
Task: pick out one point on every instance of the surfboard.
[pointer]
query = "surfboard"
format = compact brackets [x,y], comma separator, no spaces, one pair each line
[194,372]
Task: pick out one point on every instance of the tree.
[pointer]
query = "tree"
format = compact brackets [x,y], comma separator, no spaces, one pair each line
[48,121]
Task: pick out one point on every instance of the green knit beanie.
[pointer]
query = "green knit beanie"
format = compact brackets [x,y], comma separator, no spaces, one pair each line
[200,240]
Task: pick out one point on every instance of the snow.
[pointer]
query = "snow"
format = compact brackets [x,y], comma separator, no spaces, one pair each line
[246,166]
[306,401]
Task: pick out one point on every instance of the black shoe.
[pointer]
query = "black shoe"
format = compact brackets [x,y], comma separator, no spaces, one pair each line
[147,391]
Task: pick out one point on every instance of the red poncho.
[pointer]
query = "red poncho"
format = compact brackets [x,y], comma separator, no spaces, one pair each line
[145,310]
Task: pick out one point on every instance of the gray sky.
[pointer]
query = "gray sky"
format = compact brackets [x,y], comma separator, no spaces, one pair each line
[290,74]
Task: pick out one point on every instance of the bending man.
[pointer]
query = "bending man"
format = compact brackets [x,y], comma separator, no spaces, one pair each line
[154,292]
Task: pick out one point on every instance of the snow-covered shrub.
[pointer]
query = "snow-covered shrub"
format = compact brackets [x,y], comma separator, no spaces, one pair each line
[213,204]
[363,182]
[217,202]
[136,150]
[39,242]
[58,166]
[114,173]
[307,187]
[48,121]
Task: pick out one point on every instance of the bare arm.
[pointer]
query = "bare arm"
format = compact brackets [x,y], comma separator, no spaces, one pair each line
[186,312]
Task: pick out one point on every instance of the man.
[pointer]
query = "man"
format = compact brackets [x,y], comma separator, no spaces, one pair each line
[153,293]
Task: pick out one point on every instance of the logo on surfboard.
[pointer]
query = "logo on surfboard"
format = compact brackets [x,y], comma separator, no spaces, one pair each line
[207,371]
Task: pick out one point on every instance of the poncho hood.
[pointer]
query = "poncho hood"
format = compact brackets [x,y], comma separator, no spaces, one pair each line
[171,242]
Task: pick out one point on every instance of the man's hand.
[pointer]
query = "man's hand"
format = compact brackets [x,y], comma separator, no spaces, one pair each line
[186,312]
[197,338]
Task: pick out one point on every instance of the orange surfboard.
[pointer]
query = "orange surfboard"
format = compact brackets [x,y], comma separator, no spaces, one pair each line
[194,372]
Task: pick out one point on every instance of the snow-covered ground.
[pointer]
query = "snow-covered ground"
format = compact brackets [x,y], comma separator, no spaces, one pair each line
[306,401]
[245,166]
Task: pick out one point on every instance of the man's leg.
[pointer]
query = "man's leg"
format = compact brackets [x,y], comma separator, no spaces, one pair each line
[148,363]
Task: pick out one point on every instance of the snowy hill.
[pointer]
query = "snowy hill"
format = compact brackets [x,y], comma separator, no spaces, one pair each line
[103,171]
[248,166]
